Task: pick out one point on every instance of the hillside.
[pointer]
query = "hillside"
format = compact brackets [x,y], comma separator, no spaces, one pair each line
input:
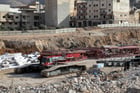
[29,1]
[12,2]
[80,39]
[18,2]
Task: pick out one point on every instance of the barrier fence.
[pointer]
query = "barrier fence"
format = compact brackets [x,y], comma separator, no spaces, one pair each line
[26,32]
[65,30]
[118,25]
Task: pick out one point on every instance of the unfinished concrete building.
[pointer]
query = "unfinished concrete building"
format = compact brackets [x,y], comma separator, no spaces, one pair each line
[79,13]
[9,17]
[22,17]
[58,12]
[94,12]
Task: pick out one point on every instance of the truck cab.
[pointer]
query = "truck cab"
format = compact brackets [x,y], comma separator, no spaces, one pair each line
[51,59]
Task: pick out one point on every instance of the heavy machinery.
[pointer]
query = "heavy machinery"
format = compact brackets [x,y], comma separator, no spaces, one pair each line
[54,63]
[112,51]
[50,58]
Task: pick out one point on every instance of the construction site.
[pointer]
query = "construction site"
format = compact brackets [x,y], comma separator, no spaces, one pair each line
[87,60]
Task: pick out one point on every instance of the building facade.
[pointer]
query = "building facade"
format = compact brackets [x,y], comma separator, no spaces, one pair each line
[23,17]
[9,17]
[31,17]
[58,12]
[94,12]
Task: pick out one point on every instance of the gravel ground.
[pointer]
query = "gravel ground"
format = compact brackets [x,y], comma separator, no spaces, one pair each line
[130,83]
[7,76]
[71,83]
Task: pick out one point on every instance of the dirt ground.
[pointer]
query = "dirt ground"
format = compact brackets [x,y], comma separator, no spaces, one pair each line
[82,38]
[9,78]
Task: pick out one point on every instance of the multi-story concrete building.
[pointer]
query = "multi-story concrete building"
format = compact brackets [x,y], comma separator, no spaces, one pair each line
[23,17]
[58,12]
[9,17]
[32,16]
[93,12]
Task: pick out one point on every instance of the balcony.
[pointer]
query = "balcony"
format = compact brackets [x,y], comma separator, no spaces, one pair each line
[103,13]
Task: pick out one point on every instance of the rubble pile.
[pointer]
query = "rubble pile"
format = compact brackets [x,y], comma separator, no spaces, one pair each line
[85,84]
[12,60]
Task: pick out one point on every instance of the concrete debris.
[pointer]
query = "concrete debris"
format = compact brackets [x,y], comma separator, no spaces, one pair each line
[17,59]
[84,84]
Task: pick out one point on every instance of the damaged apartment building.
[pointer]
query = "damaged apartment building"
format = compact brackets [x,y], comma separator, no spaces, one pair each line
[22,17]
[94,12]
